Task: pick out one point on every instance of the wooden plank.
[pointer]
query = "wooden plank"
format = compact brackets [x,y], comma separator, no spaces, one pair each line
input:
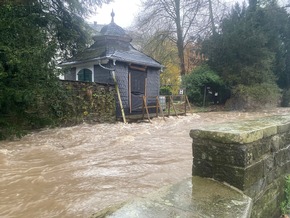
[140,68]
[161,110]
[171,99]
[119,96]
[188,103]
[130,94]
[143,111]
[184,100]
[145,89]
[169,103]
[156,106]
[145,104]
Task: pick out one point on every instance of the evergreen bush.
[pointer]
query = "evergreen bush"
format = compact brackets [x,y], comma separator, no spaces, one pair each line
[285,205]
[203,81]
[285,98]
[165,90]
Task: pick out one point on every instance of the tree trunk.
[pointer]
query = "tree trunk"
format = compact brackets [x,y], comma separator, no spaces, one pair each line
[180,42]
[213,29]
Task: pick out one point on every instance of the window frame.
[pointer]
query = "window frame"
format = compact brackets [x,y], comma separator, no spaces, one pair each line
[85,67]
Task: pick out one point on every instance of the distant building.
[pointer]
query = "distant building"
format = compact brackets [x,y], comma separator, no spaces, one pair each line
[136,73]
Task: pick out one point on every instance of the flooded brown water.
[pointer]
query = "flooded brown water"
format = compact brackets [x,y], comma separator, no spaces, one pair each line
[76,171]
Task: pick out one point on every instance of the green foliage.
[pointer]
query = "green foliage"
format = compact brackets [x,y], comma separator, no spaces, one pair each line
[240,53]
[258,96]
[285,98]
[285,205]
[165,90]
[251,53]
[199,79]
[251,46]
[33,35]
[26,70]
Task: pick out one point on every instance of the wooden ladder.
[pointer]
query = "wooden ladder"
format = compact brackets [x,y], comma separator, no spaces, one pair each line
[171,103]
[146,107]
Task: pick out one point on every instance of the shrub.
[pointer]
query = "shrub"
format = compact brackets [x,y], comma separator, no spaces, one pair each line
[201,79]
[165,90]
[258,96]
[285,98]
[285,205]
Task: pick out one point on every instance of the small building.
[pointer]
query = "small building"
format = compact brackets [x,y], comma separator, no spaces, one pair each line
[136,74]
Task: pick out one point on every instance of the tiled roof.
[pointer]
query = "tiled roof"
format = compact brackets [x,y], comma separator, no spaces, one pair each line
[134,56]
[113,43]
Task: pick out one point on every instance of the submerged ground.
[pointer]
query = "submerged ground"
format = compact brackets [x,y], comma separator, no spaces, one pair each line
[76,171]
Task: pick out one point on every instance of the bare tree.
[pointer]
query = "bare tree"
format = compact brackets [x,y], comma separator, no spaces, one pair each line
[173,19]
[181,21]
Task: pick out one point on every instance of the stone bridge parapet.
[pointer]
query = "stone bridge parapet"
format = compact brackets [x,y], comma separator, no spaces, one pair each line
[253,156]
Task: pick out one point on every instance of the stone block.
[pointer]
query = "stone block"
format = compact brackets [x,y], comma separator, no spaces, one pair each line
[279,158]
[275,143]
[269,131]
[287,153]
[252,156]
[219,153]
[271,176]
[268,164]
[253,173]
[202,168]
[282,128]
[231,175]
[231,137]
[284,140]
[259,148]
[256,189]
[267,204]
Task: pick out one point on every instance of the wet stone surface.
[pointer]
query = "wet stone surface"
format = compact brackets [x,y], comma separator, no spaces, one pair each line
[251,155]
[193,197]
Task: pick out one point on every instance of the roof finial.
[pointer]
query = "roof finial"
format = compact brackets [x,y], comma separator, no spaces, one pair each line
[112,15]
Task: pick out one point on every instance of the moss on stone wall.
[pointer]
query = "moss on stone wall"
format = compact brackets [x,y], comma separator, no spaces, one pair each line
[63,104]
[89,102]
[251,155]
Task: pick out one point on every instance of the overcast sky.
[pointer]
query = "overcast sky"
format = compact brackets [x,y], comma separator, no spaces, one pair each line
[125,11]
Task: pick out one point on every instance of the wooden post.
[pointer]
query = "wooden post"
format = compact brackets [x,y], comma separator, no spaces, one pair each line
[169,102]
[204,95]
[157,107]
[143,111]
[145,103]
[119,96]
[130,95]
[184,104]
[171,99]
[188,103]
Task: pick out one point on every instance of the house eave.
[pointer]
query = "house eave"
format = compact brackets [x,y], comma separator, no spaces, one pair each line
[99,60]
[105,60]
[129,61]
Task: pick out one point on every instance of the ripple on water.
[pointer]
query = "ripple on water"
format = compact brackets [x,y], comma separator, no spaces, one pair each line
[75,171]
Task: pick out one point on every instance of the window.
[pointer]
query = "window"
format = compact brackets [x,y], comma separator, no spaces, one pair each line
[85,75]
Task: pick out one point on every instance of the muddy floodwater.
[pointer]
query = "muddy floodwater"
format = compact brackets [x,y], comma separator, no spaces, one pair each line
[76,171]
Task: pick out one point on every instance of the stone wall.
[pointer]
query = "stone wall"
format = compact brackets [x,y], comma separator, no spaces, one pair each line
[253,156]
[90,102]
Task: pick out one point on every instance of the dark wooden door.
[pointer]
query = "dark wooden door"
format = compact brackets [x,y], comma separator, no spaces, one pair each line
[137,89]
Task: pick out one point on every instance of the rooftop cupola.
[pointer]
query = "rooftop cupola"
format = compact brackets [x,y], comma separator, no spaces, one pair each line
[113,31]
